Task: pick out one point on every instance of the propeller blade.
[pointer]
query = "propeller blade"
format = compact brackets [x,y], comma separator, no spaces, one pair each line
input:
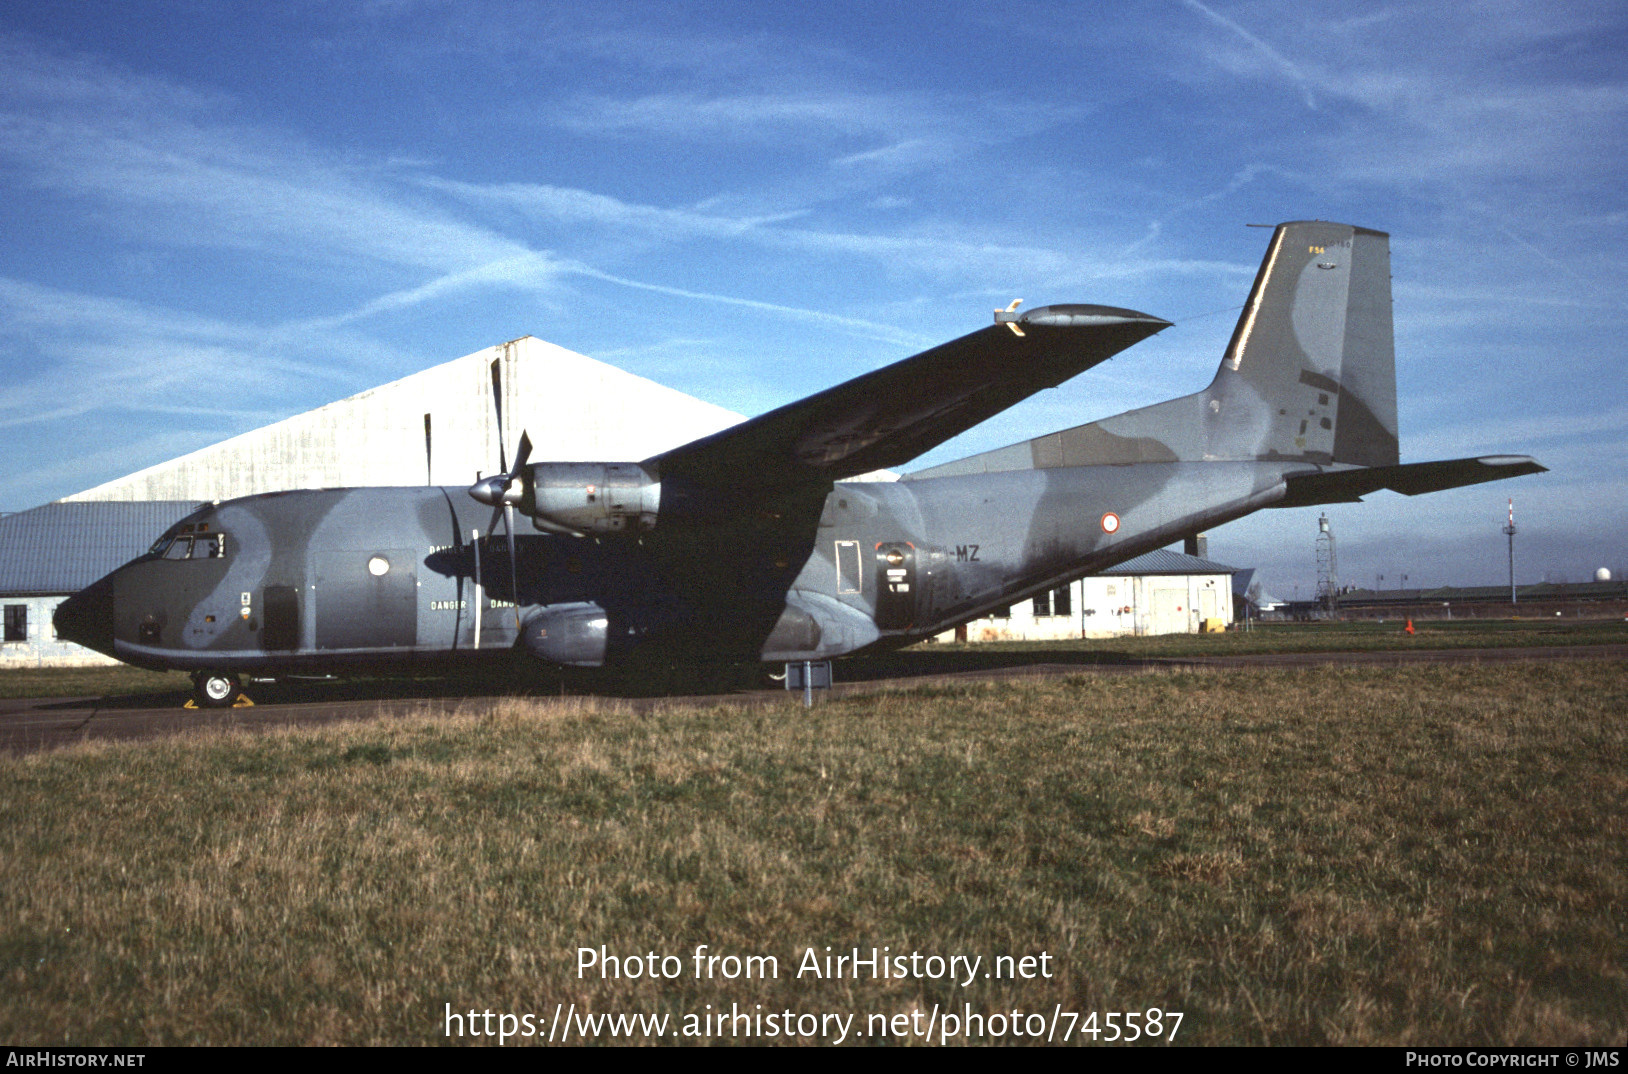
[505,511]
[514,569]
[497,404]
[429,469]
[501,491]
[480,590]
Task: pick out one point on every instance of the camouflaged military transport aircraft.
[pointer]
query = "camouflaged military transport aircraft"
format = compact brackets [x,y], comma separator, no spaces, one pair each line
[747,545]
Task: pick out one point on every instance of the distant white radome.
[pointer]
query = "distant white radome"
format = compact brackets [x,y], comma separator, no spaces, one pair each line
[1603,574]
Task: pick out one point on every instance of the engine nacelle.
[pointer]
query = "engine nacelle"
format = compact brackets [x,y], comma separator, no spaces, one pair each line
[574,634]
[593,497]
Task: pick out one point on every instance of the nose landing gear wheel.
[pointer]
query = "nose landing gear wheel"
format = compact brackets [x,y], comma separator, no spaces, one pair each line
[216,689]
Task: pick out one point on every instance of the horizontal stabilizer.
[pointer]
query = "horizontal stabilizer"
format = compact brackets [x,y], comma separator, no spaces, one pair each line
[1412,479]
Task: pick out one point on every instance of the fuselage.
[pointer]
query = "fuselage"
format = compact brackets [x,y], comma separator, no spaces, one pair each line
[328,580]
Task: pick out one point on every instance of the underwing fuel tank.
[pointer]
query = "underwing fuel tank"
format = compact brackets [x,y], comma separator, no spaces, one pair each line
[593,497]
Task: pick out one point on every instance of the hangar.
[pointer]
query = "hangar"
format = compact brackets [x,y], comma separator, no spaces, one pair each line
[573,407]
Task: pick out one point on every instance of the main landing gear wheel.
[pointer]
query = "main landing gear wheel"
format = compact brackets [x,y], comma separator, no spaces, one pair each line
[216,689]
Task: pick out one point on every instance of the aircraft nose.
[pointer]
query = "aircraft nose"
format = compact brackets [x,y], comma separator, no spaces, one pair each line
[87,617]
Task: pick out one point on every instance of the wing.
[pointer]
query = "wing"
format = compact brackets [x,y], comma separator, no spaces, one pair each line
[739,509]
[890,416]
[1410,479]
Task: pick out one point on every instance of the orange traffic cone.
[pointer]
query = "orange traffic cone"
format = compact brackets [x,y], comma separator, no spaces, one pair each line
[1409,628]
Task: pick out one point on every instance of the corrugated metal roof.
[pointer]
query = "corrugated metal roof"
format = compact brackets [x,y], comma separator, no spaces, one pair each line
[64,547]
[1166,561]
[1551,591]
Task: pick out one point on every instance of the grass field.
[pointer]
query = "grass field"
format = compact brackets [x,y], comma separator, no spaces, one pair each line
[1424,855]
[1358,635]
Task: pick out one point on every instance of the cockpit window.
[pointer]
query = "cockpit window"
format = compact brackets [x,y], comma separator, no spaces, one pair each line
[210,546]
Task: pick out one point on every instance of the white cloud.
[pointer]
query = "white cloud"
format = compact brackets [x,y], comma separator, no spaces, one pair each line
[529,271]
[177,172]
[869,329]
[98,353]
[742,116]
[1262,53]
[1486,97]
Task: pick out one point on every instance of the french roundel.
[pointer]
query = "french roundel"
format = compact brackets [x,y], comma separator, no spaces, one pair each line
[1110,523]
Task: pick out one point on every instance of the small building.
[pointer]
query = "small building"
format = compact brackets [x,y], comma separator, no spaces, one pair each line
[1162,592]
[1250,600]
[49,553]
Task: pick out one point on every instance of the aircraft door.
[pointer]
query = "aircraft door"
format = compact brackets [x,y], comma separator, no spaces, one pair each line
[366,599]
[280,605]
[938,582]
[895,585]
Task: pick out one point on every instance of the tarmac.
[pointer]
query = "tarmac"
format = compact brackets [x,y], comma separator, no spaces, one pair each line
[29,725]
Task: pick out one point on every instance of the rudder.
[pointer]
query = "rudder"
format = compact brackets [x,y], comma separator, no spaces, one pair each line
[1310,372]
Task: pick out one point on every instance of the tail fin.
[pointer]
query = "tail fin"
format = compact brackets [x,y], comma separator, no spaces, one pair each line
[1311,370]
[1310,373]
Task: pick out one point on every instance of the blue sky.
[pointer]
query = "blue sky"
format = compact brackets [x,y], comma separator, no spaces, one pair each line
[216,215]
